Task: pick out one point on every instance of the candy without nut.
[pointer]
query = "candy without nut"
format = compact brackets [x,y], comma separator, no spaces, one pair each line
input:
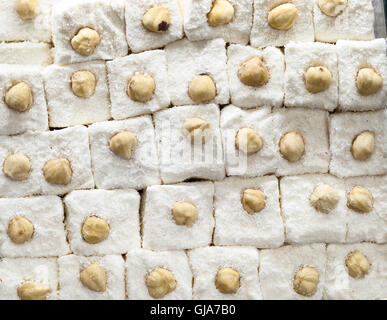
[25,53]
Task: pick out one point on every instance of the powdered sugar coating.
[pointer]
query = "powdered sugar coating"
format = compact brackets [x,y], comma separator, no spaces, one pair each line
[119,208]
[25,53]
[140,262]
[46,215]
[196,25]
[262,35]
[278,267]
[188,59]
[139,38]
[352,56]
[271,93]
[160,231]
[234,226]
[206,262]
[105,17]
[71,288]
[300,57]
[111,171]
[35,119]
[344,127]
[121,70]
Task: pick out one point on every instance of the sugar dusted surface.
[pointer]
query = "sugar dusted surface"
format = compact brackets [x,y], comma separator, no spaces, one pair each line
[25,53]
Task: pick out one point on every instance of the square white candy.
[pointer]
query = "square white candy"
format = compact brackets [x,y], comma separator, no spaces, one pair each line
[25,53]
[344,128]
[304,223]
[188,59]
[196,25]
[35,118]
[64,107]
[14,272]
[180,159]
[352,56]
[235,226]
[121,71]
[271,93]
[262,34]
[141,262]
[112,171]
[119,208]
[263,162]
[160,230]
[279,266]
[71,144]
[14,28]
[206,262]
[340,285]
[371,226]
[46,216]
[299,58]
[141,39]
[313,126]
[71,287]
[355,22]
[105,17]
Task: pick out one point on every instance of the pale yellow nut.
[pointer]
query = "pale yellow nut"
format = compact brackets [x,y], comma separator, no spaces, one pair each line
[283,17]
[20,230]
[95,230]
[248,141]
[292,146]
[360,200]
[357,264]
[363,145]
[32,290]
[156,19]
[83,84]
[332,8]
[26,9]
[94,277]
[196,128]
[17,167]
[160,282]
[85,41]
[202,89]
[227,280]
[324,198]
[253,73]
[123,144]
[306,281]
[222,12]
[184,214]
[19,97]
[141,88]
[317,79]
[58,171]
[253,201]
[368,81]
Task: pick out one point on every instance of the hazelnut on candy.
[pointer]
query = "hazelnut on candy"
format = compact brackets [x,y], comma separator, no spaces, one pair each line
[324,198]
[85,41]
[332,8]
[283,17]
[292,146]
[20,230]
[141,88]
[221,13]
[94,277]
[196,127]
[32,290]
[19,97]
[227,280]
[160,282]
[253,201]
[306,281]
[253,73]
[357,264]
[317,79]
[360,200]
[17,167]
[248,141]
[83,84]
[156,19]
[368,81]
[363,145]
[123,144]
[95,230]
[184,214]
[58,171]
[26,9]
[202,89]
